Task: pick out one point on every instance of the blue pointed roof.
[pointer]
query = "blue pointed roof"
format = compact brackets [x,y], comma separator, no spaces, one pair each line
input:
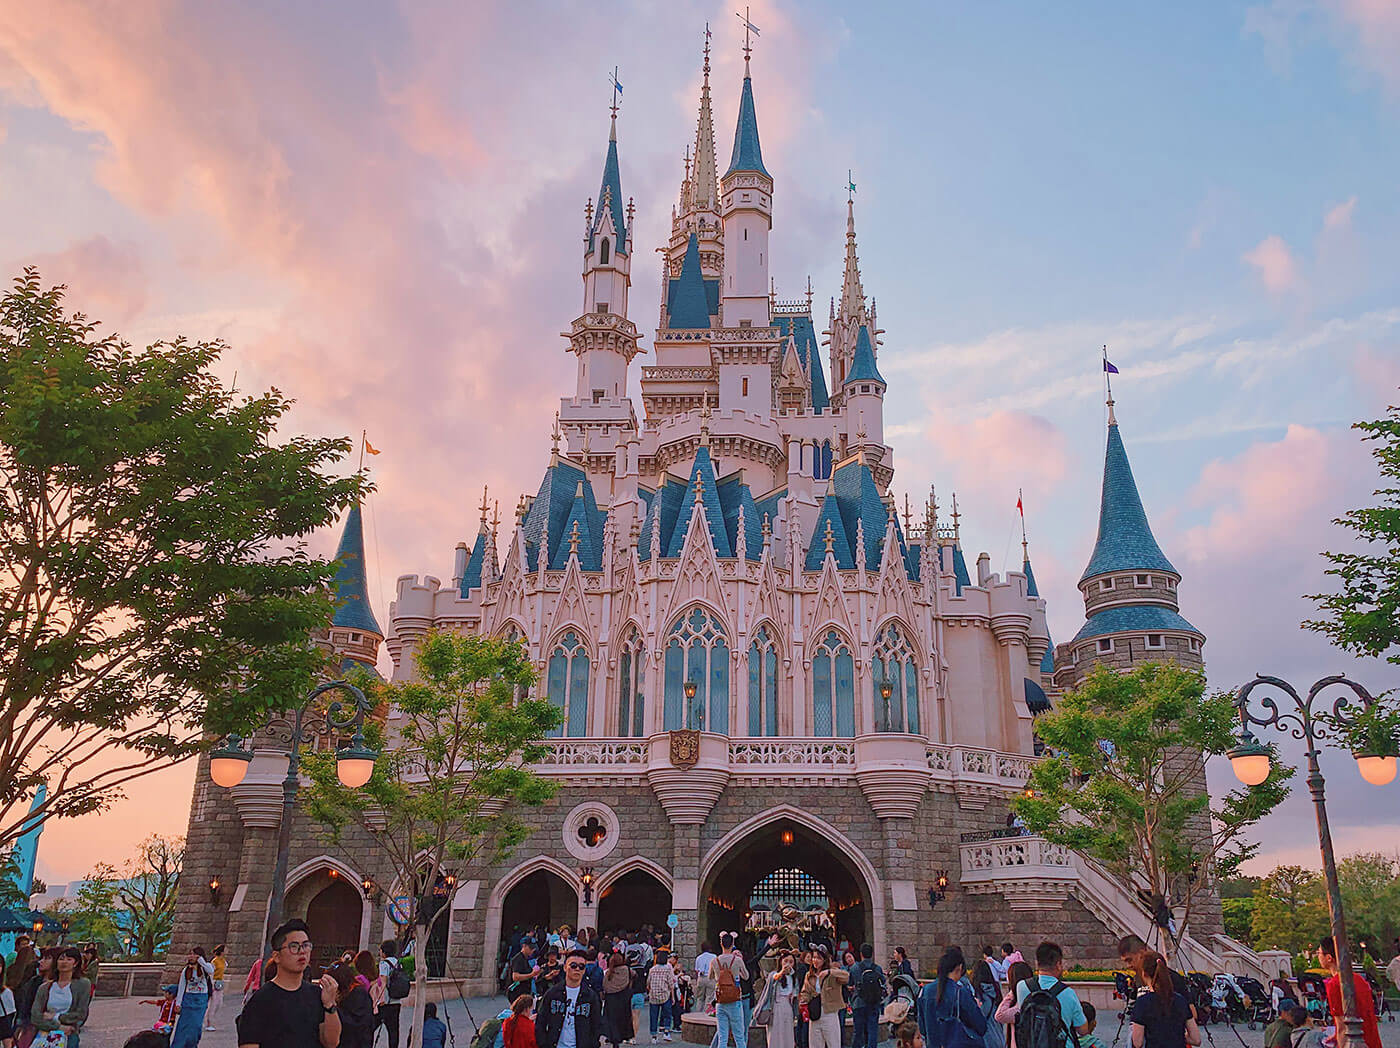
[590,547]
[853,504]
[555,504]
[714,512]
[1125,541]
[611,190]
[1031,589]
[1036,699]
[960,576]
[351,586]
[747,156]
[471,579]
[804,334]
[688,304]
[1047,664]
[840,544]
[863,367]
[1134,618]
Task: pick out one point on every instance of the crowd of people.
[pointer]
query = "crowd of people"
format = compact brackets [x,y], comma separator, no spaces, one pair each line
[47,993]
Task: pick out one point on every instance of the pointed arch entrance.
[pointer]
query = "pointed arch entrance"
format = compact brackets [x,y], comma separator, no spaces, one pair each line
[786,855]
[539,893]
[634,895]
[332,910]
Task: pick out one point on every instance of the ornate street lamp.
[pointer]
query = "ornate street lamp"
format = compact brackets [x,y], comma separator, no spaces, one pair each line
[585,875]
[214,885]
[1251,761]
[354,764]
[692,714]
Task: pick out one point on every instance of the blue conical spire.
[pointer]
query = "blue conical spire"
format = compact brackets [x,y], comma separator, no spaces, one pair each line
[689,305]
[610,195]
[863,367]
[1125,541]
[351,586]
[748,156]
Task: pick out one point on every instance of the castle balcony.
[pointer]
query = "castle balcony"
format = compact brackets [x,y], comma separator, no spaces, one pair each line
[1028,871]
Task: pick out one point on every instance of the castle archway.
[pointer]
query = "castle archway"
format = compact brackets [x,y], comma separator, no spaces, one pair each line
[786,856]
[635,900]
[333,920]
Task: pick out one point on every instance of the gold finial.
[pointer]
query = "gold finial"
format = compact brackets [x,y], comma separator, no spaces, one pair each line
[556,434]
[573,540]
[699,490]
[484,490]
[860,427]
[520,510]
[495,517]
[767,530]
[828,537]
[957,531]
[749,27]
[907,514]
[587,443]
[705,424]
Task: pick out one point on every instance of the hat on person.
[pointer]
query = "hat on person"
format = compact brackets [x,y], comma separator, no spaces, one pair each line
[821,948]
[172,988]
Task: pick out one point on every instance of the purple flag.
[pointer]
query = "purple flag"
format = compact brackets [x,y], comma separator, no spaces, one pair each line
[1107,366]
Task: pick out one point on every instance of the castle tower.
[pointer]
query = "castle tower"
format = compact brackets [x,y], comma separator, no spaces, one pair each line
[747,210]
[602,338]
[698,211]
[1129,585]
[850,314]
[864,396]
[354,632]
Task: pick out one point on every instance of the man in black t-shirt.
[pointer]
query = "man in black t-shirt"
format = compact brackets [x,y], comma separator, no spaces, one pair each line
[289,1011]
[523,970]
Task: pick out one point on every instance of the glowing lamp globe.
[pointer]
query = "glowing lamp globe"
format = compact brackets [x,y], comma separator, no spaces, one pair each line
[1376,768]
[1251,760]
[354,764]
[228,764]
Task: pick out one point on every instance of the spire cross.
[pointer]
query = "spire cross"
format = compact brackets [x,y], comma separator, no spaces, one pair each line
[907,514]
[749,27]
[1025,549]
[495,517]
[708,34]
[956,516]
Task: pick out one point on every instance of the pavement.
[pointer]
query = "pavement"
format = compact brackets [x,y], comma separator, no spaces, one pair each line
[113,1019]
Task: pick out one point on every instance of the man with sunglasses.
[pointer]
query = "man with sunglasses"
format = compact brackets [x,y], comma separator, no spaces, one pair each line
[570,1013]
[290,1011]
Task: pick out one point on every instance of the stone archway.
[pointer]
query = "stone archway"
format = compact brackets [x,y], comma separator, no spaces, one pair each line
[550,897]
[333,917]
[634,899]
[786,855]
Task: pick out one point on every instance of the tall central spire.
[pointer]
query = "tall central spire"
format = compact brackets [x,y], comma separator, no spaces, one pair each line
[704,175]
[852,294]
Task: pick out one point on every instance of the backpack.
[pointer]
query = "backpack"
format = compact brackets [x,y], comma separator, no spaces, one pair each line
[486,1036]
[399,987]
[1040,1023]
[871,986]
[726,986]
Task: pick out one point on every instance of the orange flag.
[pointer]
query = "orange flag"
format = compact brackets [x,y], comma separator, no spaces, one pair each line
[370,448]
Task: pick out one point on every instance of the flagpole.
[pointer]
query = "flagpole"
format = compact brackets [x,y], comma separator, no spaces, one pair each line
[363,434]
[1107,375]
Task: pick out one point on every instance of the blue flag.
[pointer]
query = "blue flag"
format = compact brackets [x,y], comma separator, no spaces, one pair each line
[1108,367]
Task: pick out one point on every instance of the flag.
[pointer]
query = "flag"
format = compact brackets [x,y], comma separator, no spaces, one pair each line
[1108,367]
[370,449]
[1020,508]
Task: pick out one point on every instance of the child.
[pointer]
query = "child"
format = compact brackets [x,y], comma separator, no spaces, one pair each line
[165,1022]
[434,1029]
[1091,1018]
[907,1035]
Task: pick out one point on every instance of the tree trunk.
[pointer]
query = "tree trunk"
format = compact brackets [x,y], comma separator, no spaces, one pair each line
[420,981]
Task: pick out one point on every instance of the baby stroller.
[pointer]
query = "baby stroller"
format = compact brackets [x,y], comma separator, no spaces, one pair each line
[1198,987]
[1258,1010]
[904,991]
[1314,991]
[1227,999]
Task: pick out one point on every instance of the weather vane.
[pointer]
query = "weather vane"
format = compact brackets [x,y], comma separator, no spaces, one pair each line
[749,27]
[616,92]
[850,185]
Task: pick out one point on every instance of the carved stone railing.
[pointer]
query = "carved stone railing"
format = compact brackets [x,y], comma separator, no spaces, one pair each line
[1028,871]
[792,752]
[592,753]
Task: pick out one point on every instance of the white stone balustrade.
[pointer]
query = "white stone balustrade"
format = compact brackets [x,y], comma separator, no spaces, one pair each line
[1028,871]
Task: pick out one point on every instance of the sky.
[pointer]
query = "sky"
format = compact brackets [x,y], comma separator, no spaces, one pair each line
[379,208]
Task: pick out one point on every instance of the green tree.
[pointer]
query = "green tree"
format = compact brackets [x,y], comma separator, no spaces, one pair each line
[1238,915]
[1290,911]
[11,894]
[1123,783]
[1242,887]
[152,579]
[1370,898]
[147,893]
[1364,617]
[444,794]
[91,914]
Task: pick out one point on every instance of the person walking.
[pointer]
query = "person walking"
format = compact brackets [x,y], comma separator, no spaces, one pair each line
[728,971]
[396,988]
[1161,1017]
[704,985]
[783,989]
[900,963]
[61,1005]
[289,1010]
[867,983]
[617,1001]
[1017,973]
[518,1031]
[1365,999]
[661,987]
[821,993]
[192,999]
[216,993]
[570,1012]
[354,1006]
[985,988]
[948,1012]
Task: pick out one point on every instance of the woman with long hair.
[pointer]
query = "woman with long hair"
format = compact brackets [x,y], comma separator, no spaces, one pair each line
[62,1001]
[1016,973]
[783,989]
[518,1031]
[617,1001]
[367,974]
[984,988]
[353,1003]
[822,993]
[192,999]
[7,1009]
[216,993]
[1161,1017]
[948,1012]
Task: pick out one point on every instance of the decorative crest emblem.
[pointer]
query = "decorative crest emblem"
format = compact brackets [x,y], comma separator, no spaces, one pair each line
[685,748]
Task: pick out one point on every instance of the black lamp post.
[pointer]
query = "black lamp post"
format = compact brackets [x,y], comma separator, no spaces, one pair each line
[1251,761]
[693,715]
[354,764]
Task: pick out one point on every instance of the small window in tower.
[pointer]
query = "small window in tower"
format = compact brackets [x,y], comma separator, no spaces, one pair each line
[746,387]
[598,396]
[355,638]
[745,323]
[743,196]
[746,234]
[1154,640]
[1171,584]
[1105,645]
[1142,580]
[603,253]
[1105,584]
[1195,644]
[601,307]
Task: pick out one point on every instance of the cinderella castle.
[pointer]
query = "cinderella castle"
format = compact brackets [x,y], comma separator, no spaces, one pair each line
[774,690]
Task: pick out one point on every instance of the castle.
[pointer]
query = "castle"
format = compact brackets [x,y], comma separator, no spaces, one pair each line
[773,689]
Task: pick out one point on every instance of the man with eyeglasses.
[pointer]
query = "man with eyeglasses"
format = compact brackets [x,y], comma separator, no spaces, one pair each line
[290,1011]
[570,1013]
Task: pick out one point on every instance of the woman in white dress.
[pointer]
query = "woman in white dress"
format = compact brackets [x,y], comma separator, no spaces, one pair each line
[783,992]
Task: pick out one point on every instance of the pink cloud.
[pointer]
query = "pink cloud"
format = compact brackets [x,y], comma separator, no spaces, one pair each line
[1339,217]
[1376,28]
[998,453]
[106,280]
[1275,263]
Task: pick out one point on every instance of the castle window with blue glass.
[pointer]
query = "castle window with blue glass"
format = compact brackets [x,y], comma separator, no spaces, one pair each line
[630,708]
[763,684]
[833,688]
[697,652]
[894,664]
[567,682]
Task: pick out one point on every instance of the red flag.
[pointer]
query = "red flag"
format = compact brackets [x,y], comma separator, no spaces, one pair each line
[1019,507]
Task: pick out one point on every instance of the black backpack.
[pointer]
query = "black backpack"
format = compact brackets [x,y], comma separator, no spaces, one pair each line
[399,987]
[1040,1023]
[871,986]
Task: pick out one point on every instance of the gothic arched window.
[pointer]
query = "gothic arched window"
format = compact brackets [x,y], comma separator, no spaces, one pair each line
[568,684]
[894,662]
[513,635]
[697,653]
[763,684]
[631,674]
[603,253]
[833,688]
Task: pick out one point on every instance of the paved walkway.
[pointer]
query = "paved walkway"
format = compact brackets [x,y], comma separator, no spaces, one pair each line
[114,1019]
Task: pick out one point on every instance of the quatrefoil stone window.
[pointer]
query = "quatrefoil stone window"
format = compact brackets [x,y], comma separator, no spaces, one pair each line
[590,831]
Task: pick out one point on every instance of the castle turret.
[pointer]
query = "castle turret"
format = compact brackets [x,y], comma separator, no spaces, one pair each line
[354,633]
[1129,585]
[864,392]
[747,209]
[698,212]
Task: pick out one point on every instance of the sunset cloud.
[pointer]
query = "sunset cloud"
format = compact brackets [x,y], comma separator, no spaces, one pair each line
[1275,264]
